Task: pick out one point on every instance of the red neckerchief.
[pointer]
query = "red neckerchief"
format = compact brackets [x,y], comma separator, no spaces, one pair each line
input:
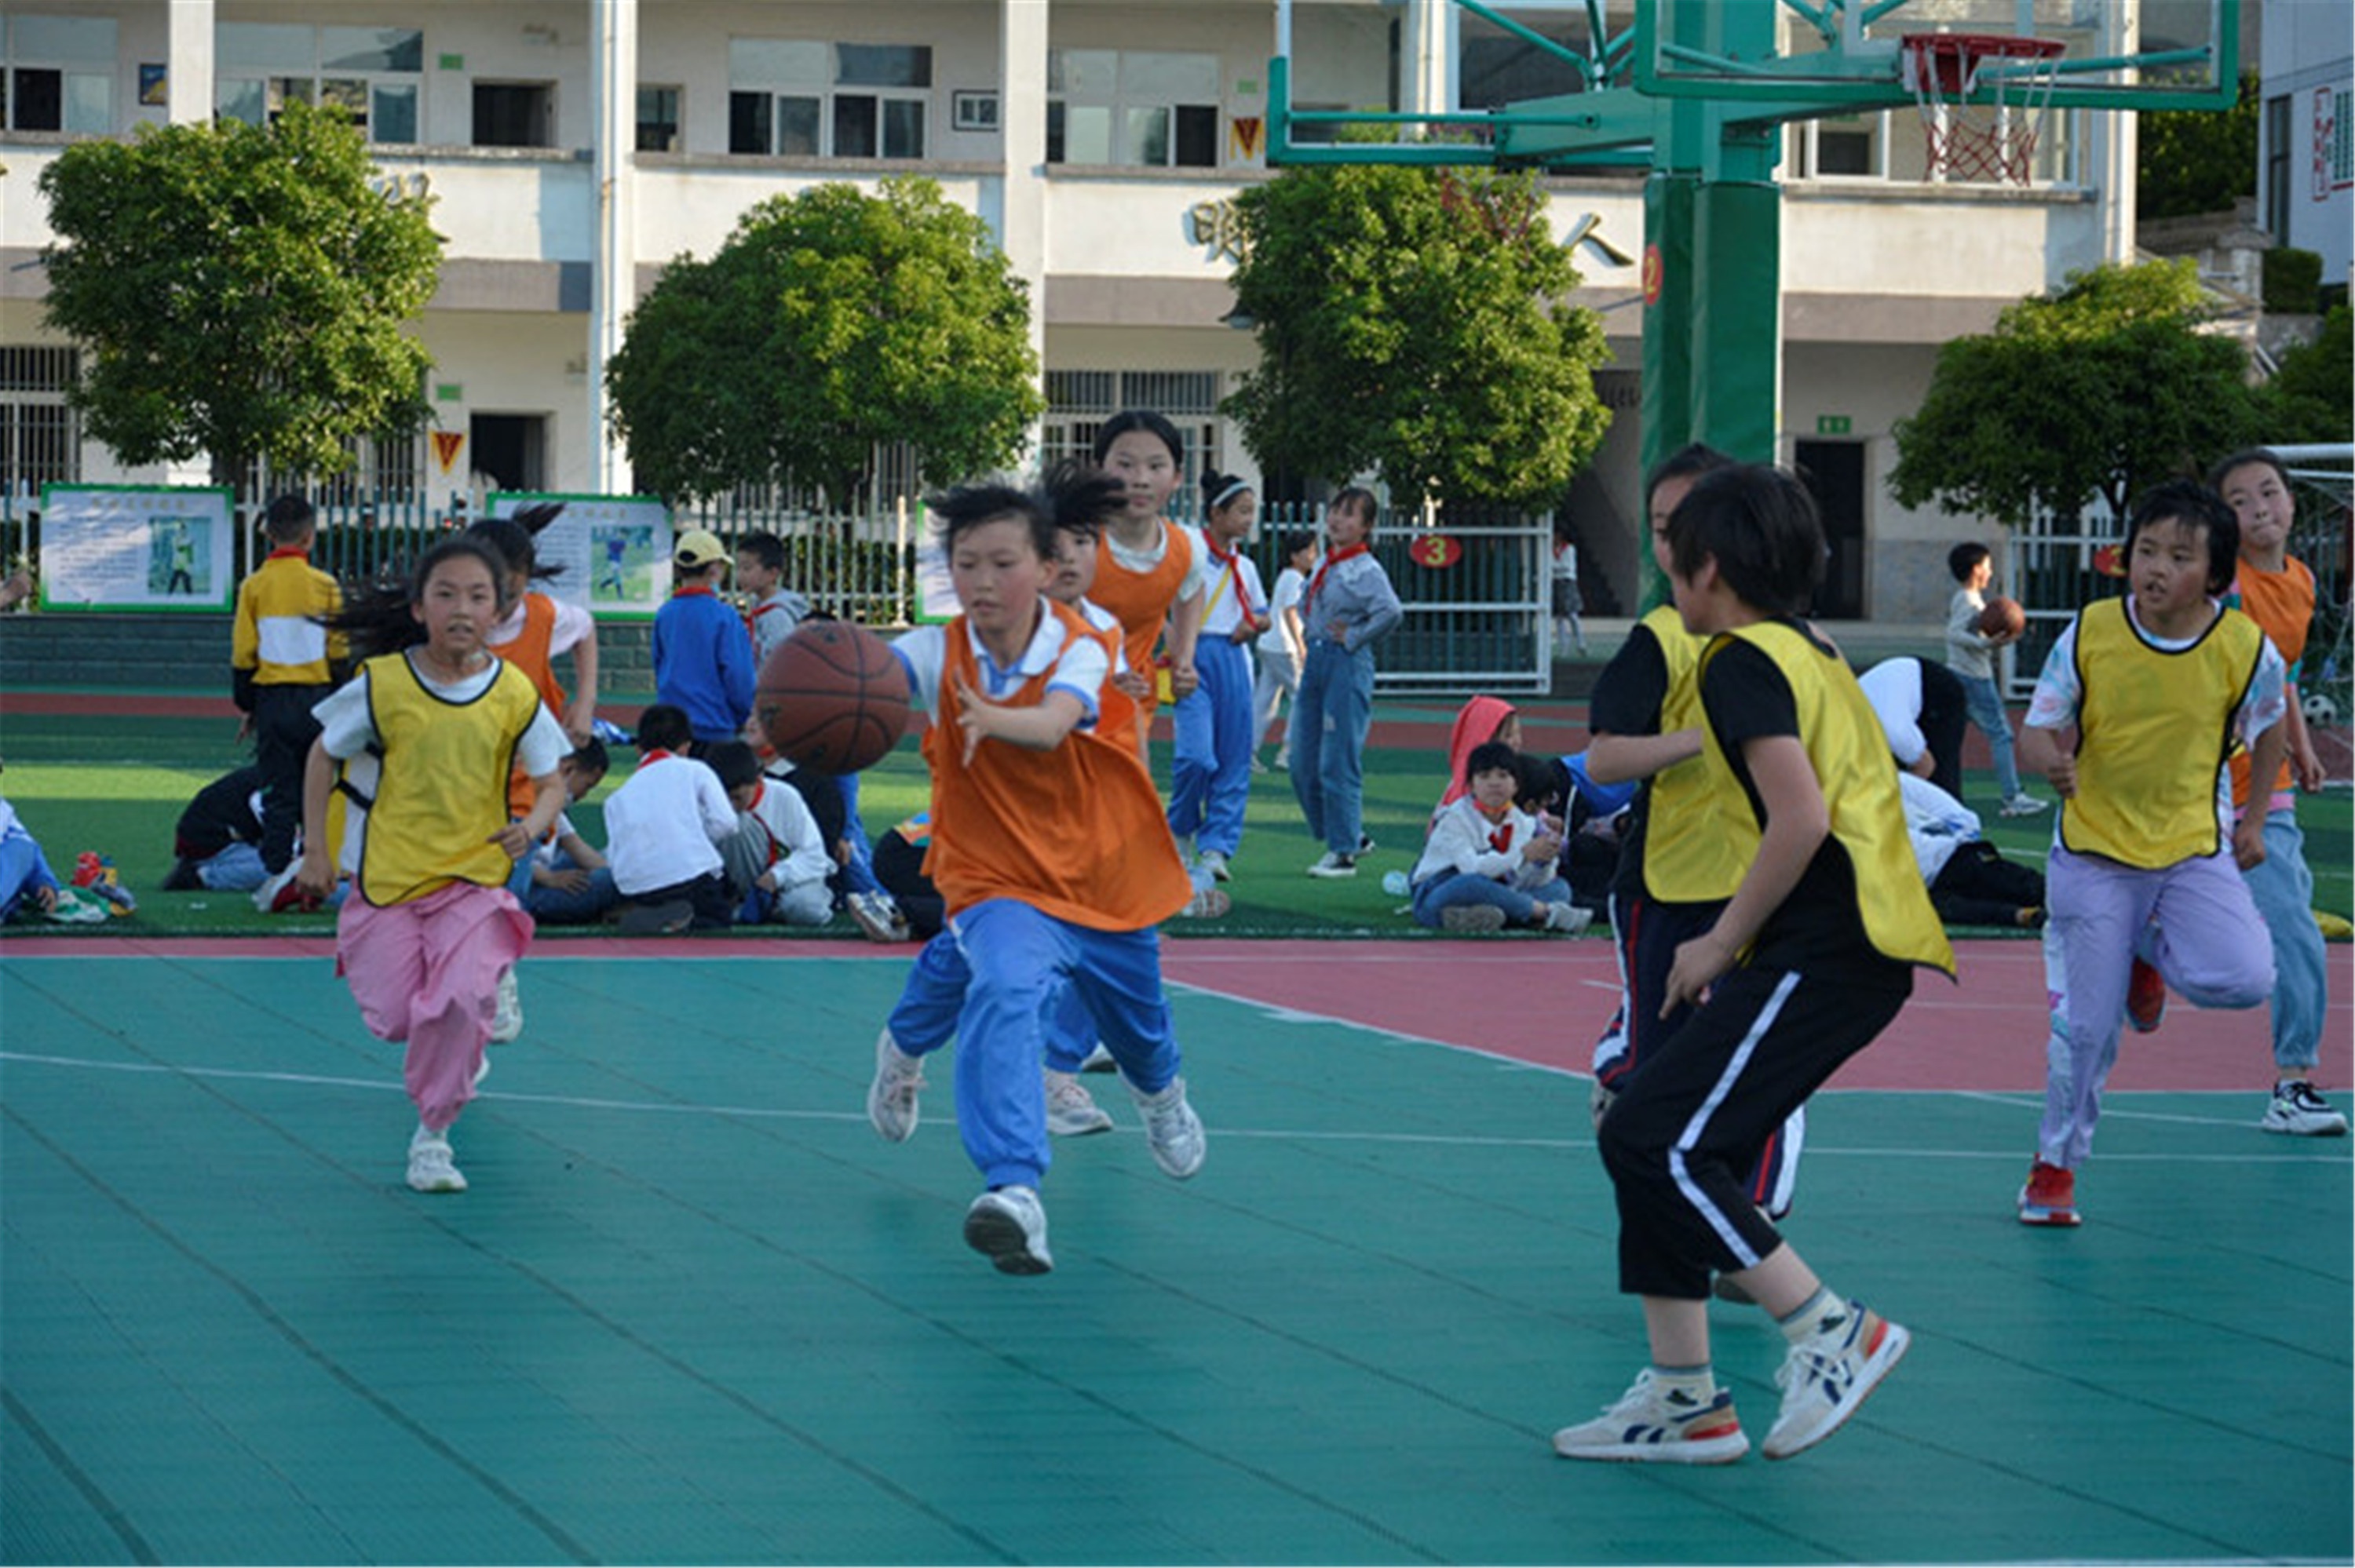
[1331,560]
[1231,560]
[653,756]
[298,551]
[1500,837]
[691,587]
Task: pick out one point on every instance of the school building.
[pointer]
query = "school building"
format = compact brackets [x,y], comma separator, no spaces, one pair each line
[573,146]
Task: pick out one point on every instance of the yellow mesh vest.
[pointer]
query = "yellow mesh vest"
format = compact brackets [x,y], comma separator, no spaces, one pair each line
[2153,729]
[1850,752]
[442,793]
[1693,852]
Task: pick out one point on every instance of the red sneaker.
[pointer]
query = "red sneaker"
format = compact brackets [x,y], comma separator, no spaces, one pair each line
[2049,1198]
[2145,997]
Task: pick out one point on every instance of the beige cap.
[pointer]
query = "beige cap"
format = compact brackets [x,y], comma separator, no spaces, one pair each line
[697,547]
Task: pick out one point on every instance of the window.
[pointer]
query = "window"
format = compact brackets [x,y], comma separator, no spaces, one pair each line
[1840,146]
[59,74]
[658,119]
[798,98]
[374,74]
[515,115]
[1080,401]
[2277,168]
[1132,107]
[40,441]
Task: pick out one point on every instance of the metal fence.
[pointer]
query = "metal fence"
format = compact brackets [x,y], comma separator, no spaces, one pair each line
[1476,591]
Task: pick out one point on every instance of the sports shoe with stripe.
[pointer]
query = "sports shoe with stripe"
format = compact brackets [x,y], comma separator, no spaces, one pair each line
[1172,1130]
[1071,1111]
[431,1168]
[1826,1375]
[506,1021]
[2299,1108]
[1009,1226]
[891,1098]
[1650,1427]
[2049,1198]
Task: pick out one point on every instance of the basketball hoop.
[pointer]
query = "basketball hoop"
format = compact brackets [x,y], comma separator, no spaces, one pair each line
[1995,139]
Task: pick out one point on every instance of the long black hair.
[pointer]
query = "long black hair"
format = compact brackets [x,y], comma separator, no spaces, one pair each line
[375,616]
[512,537]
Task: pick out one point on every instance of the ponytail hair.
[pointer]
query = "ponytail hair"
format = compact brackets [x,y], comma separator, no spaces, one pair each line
[375,616]
[1218,489]
[512,538]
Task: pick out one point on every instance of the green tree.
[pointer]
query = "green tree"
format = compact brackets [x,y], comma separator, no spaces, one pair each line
[2194,161]
[2100,388]
[239,291]
[829,322]
[2308,398]
[1415,322]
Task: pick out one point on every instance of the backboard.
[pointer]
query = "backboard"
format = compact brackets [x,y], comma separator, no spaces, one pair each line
[2115,54]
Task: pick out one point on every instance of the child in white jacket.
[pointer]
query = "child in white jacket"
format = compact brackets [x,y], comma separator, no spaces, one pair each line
[1487,862]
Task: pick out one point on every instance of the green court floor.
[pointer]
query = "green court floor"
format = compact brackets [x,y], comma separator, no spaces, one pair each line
[694,1311]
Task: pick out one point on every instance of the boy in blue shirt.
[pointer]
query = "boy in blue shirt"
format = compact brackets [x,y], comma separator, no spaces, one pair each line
[703,657]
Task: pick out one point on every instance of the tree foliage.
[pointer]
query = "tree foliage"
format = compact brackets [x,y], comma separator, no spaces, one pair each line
[2310,396]
[1415,322]
[828,322]
[2100,388]
[239,290]
[2193,160]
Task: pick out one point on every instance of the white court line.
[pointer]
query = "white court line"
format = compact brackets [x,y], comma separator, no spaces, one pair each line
[1280,1135]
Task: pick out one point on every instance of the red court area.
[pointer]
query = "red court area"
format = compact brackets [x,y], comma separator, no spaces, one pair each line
[1544,1002]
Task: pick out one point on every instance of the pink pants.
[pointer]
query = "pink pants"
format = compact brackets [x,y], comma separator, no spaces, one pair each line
[427,972]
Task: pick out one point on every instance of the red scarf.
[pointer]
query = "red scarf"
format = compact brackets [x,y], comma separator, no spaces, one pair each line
[1227,559]
[652,755]
[1331,560]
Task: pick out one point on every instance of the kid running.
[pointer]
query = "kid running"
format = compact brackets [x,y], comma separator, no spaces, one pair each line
[1811,958]
[419,742]
[2144,884]
[1151,572]
[1053,859]
[1210,774]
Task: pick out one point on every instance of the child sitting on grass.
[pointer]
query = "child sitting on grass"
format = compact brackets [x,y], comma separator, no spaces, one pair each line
[1487,862]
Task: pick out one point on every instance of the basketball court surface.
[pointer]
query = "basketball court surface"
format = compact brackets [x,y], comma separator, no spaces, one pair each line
[692,1309]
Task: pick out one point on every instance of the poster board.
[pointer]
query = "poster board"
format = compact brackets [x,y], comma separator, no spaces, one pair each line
[119,548]
[614,551]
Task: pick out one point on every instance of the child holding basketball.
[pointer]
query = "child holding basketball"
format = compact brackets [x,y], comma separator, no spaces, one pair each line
[2275,589]
[1810,959]
[1053,861]
[2143,882]
[1970,651]
[1151,573]
[1210,774]
[419,742]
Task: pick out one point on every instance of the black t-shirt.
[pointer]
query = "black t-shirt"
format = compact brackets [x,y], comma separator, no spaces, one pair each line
[222,814]
[1819,927]
[1626,701]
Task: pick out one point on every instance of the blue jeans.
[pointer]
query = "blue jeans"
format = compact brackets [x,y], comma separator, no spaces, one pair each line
[1330,714]
[1985,706]
[2283,890]
[1210,776]
[1453,890]
[238,868]
[558,906]
[992,979]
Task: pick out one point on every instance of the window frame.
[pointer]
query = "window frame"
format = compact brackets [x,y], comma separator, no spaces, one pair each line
[1128,113]
[75,74]
[276,84]
[822,116]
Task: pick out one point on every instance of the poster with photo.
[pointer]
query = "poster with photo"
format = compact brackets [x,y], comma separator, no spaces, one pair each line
[127,547]
[613,551]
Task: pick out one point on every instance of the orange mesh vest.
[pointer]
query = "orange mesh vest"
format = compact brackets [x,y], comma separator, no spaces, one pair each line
[2282,604]
[528,653]
[1116,717]
[1076,832]
[1141,601]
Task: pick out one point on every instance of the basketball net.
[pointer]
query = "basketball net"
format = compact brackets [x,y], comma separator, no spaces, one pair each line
[1995,139]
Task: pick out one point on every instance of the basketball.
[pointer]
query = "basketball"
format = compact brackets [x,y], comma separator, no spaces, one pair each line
[833,697]
[2002,618]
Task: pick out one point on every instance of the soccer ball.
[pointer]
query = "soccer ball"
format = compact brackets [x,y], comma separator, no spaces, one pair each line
[2320,712]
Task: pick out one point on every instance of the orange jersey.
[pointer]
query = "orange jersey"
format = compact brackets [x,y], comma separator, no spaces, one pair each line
[528,651]
[1141,601]
[2282,604]
[1116,716]
[1076,832]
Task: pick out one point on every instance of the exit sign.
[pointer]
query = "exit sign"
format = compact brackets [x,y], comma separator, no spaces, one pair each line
[1831,424]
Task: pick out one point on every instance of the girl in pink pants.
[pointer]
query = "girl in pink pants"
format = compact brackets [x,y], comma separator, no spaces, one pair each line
[419,743]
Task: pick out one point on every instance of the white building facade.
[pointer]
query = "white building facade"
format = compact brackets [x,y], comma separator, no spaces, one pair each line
[574,146]
[2305,134]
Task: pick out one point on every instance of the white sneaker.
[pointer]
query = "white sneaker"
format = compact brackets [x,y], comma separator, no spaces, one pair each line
[1215,863]
[1568,918]
[1472,917]
[1099,1061]
[506,1021]
[1009,1226]
[278,894]
[1827,1376]
[1649,1427]
[2299,1108]
[1208,904]
[431,1166]
[891,1098]
[878,916]
[1333,865]
[2025,805]
[1071,1111]
[1172,1129]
